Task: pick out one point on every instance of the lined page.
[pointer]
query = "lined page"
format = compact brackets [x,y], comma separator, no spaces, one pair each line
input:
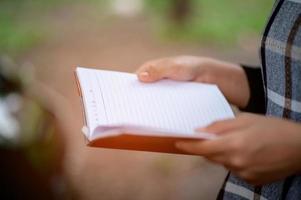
[92,99]
[120,99]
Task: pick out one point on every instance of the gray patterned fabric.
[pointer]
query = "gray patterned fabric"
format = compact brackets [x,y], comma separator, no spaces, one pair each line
[281,72]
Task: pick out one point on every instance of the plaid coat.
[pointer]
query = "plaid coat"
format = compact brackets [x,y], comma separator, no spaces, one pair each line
[278,94]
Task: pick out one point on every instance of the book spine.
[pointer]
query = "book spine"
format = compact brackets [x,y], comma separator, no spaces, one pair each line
[79,92]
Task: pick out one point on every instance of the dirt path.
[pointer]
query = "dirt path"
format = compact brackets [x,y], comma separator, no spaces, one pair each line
[117,44]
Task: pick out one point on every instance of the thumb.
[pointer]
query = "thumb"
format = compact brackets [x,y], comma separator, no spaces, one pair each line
[152,71]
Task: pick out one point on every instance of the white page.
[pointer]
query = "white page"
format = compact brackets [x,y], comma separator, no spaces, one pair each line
[117,98]
[93,103]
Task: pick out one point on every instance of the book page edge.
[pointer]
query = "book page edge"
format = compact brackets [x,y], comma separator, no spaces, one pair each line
[141,131]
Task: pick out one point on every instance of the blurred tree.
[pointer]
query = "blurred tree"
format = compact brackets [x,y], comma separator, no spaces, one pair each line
[209,21]
[180,11]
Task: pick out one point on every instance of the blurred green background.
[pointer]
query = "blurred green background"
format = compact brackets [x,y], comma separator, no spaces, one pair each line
[24,23]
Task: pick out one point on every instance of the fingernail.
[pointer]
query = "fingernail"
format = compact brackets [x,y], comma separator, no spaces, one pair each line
[144,74]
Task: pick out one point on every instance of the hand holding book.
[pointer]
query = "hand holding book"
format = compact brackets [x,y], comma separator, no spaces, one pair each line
[122,112]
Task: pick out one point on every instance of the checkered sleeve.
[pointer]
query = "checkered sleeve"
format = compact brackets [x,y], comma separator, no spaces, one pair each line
[256,102]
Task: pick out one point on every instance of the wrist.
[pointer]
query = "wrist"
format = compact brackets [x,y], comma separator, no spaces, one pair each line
[245,94]
[230,78]
[233,81]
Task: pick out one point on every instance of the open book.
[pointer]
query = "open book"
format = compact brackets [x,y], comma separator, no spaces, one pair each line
[122,112]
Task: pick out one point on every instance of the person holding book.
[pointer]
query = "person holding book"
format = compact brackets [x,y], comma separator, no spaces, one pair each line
[261,150]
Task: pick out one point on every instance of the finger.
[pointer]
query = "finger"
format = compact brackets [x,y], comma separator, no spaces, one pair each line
[152,71]
[225,126]
[219,127]
[220,159]
[204,148]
